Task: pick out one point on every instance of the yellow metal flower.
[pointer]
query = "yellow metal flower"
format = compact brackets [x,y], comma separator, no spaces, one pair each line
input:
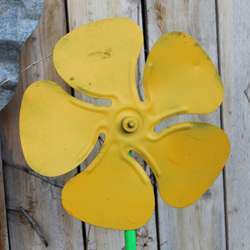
[58,131]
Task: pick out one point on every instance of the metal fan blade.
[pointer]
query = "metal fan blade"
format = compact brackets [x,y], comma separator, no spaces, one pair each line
[186,159]
[99,59]
[180,75]
[57,131]
[113,192]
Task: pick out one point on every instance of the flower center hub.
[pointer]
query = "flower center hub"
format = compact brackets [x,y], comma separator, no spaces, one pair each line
[130,124]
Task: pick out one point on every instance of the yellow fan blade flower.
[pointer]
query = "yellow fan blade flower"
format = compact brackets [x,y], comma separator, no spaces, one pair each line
[58,131]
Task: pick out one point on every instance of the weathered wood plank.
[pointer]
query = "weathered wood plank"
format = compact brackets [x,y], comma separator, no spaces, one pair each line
[4,242]
[41,200]
[80,13]
[201,225]
[234,30]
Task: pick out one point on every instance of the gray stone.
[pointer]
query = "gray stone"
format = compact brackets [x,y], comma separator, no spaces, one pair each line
[18,18]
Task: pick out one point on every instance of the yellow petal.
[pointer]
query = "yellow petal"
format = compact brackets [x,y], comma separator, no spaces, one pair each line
[99,59]
[186,159]
[113,192]
[57,131]
[180,77]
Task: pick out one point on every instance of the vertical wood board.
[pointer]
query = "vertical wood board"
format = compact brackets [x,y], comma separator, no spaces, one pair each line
[41,200]
[201,225]
[234,35]
[4,242]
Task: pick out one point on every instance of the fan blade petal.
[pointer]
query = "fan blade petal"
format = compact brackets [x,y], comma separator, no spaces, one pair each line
[99,59]
[113,192]
[186,159]
[180,76]
[57,131]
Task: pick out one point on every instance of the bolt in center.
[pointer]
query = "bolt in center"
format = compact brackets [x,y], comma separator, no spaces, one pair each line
[129,124]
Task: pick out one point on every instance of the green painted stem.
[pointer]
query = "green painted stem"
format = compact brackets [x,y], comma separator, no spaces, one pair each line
[130,235]
[130,240]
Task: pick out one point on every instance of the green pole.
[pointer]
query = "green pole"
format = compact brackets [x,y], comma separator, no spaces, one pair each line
[130,235]
[130,240]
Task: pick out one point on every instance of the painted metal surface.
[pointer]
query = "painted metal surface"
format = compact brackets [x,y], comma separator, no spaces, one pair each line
[58,131]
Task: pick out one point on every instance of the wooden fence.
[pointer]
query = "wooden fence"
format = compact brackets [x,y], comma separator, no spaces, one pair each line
[220,219]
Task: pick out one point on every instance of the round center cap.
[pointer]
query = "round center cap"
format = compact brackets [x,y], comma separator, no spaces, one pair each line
[130,124]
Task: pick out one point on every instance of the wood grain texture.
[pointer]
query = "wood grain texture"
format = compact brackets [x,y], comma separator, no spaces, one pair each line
[4,242]
[201,225]
[81,12]
[41,200]
[234,30]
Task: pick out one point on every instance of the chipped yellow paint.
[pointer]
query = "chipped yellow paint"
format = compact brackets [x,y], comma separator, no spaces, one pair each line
[58,131]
